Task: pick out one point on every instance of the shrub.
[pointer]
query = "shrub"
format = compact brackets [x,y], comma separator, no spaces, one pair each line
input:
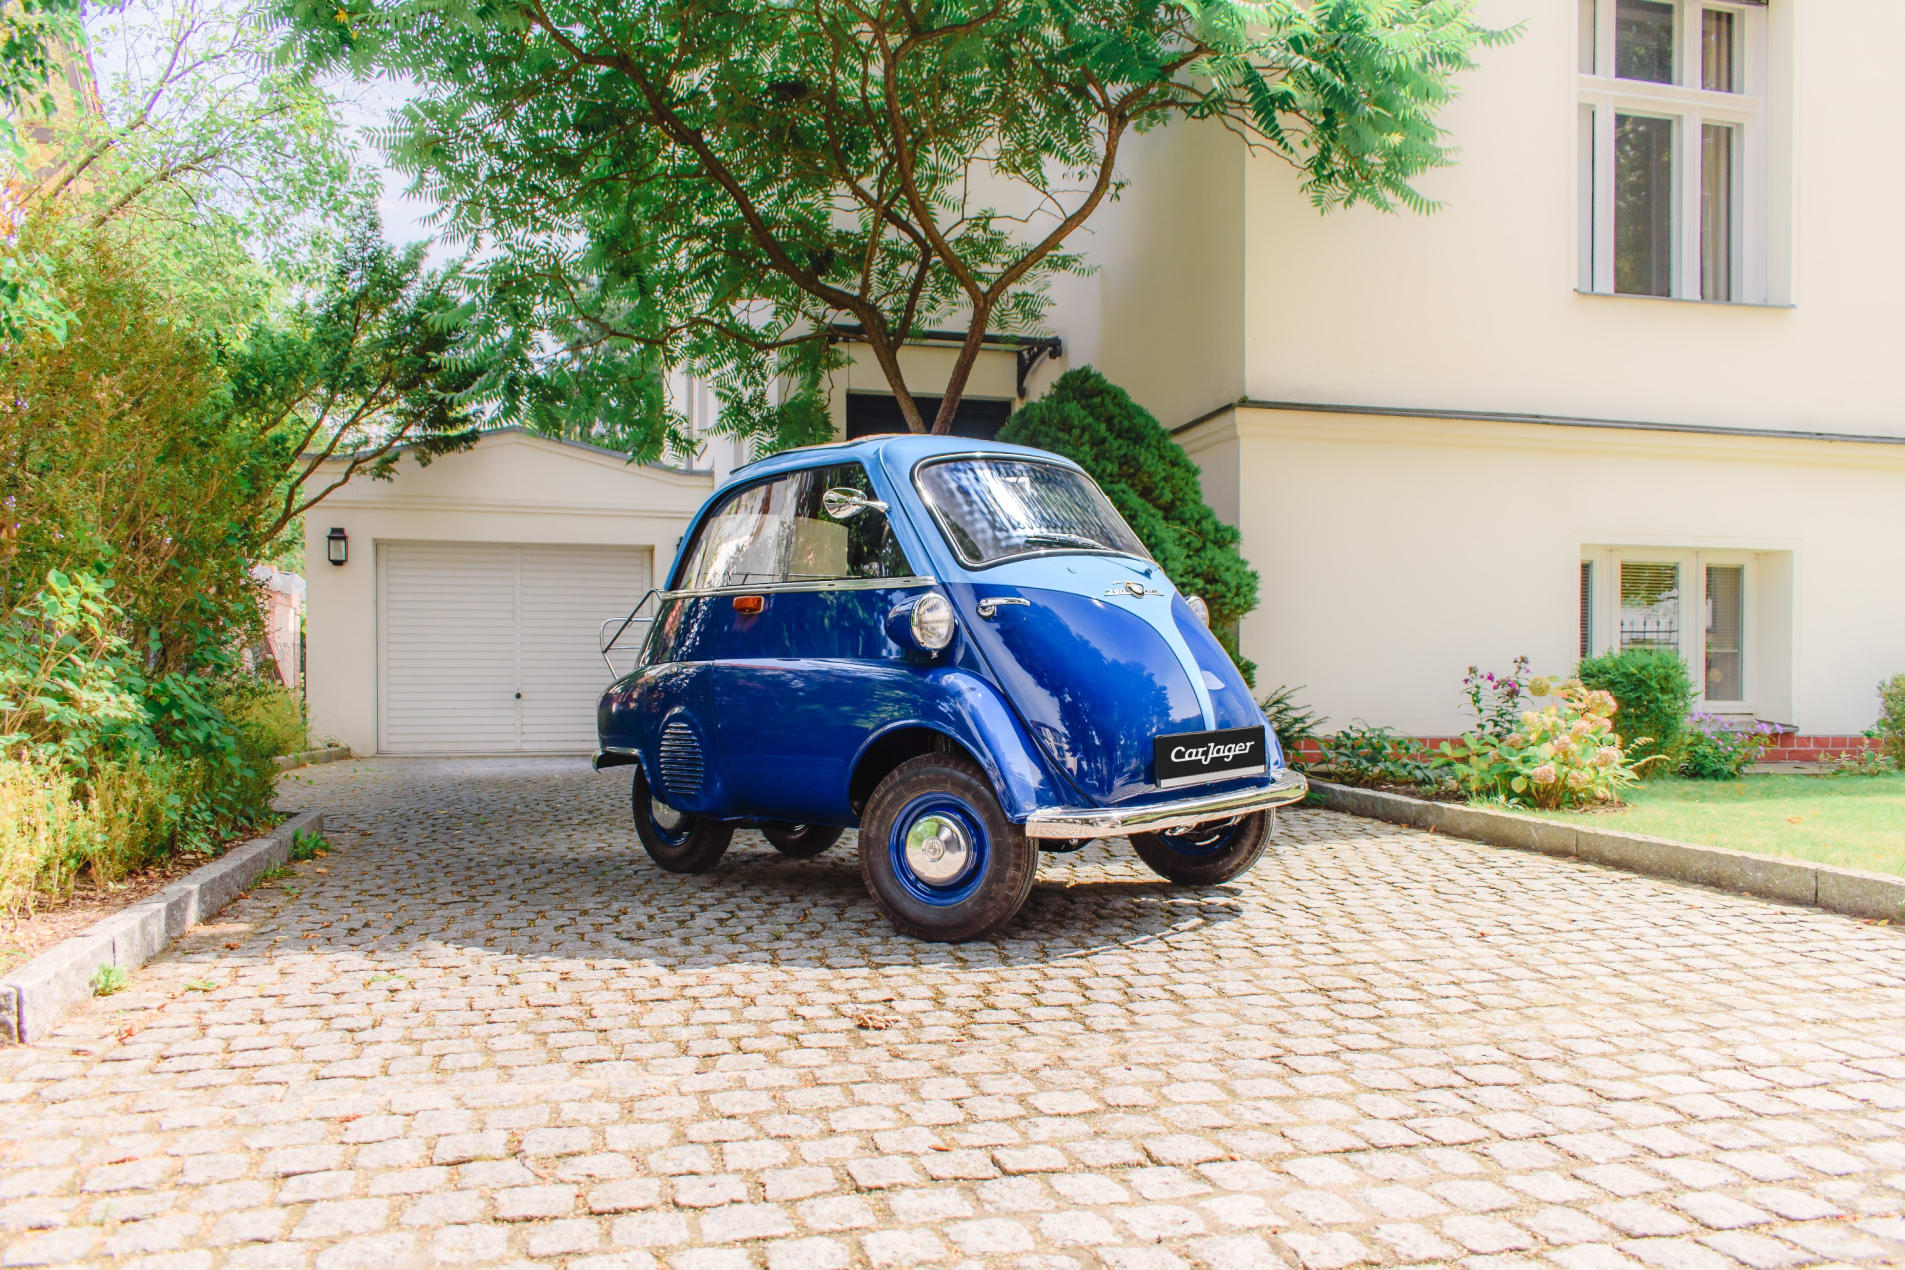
[1891,727]
[1653,692]
[1862,762]
[1712,749]
[1154,485]
[1564,755]
[41,825]
[1364,755]
[1292,721]
[145,807]
[65,680]
[270,712]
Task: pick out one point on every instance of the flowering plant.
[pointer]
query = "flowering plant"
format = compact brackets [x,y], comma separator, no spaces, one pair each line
[1497,699]
[1564,755]
[1716,749]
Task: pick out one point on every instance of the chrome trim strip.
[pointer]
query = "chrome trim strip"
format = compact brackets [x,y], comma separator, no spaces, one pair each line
[1102,822]
[829,584]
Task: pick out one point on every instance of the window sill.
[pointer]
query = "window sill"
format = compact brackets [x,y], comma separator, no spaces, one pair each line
[1682,299]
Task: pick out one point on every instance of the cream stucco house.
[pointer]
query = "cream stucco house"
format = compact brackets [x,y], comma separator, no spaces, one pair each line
[1637,381]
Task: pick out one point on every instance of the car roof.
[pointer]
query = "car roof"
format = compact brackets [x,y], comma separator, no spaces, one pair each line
[900,450]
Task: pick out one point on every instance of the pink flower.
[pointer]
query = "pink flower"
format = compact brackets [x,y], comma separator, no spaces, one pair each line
[1543,775]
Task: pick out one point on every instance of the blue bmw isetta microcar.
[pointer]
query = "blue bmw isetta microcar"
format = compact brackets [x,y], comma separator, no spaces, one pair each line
[961,649]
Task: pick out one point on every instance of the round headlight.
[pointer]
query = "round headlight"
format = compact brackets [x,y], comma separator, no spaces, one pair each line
[932,621]
[1199,607]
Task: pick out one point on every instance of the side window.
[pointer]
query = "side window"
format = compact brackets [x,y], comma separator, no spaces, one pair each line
[827,549]
[777,531]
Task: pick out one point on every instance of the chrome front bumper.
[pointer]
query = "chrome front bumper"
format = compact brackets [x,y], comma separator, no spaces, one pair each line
[1112,822]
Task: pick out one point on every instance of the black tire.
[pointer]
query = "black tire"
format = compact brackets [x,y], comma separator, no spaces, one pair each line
[800,842]
[692,844]
[937,794]
[1206,855]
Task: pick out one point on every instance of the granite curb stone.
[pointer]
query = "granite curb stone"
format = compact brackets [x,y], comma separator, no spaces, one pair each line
[1853,892]
[34,997]
[305,758]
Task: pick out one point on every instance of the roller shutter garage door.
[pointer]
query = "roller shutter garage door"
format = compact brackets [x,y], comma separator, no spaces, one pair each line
[492,649]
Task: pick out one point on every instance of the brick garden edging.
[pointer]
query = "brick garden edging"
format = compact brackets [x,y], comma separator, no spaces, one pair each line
[1853,892]
[304,758]
[35,997]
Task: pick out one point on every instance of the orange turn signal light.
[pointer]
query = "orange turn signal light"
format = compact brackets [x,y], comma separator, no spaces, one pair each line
[749,604]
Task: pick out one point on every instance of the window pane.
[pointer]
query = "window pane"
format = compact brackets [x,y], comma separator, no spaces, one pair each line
[1643,205]
[1584,192]
[1726,623]
[1717,52]
[1587,608]
[1716,211]
[778,532]
[1643,40]
[1585,37]
[994,509]
[1650,605]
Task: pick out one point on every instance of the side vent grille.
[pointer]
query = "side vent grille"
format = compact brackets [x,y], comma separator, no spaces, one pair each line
[681,773]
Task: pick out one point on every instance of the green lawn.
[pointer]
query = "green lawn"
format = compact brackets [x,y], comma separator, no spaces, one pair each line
[1855,821]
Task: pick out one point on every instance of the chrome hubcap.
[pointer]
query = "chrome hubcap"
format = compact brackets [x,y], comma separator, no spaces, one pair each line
[938,850]
[665,817]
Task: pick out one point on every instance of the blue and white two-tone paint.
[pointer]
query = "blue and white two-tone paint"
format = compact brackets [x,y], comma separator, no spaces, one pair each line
[959,648]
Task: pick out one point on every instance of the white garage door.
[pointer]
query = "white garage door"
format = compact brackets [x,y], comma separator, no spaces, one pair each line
[492,649]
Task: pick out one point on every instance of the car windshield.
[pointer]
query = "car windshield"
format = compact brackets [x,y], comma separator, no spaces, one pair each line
[994,509]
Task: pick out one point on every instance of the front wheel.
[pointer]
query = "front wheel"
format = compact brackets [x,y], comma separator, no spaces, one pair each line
[677,841]
[1204,855]
[798,842]
[938,854]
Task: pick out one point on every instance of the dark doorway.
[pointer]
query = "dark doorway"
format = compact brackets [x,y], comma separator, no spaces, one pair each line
[872,412]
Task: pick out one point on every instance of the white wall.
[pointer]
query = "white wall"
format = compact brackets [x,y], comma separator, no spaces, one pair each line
[1396,552]
[1474,306]
[511,488]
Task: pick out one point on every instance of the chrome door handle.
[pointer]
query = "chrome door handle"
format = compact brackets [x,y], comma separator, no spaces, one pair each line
[989,607]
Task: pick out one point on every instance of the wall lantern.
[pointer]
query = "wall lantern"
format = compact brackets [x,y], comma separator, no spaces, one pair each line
[337,547]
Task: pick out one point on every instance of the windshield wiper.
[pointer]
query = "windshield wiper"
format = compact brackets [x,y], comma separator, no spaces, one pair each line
[1059,535]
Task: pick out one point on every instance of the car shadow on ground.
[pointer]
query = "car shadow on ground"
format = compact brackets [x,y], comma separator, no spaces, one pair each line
[604,906]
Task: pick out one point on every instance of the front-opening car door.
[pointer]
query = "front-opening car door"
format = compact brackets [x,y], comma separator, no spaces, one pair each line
[792,603]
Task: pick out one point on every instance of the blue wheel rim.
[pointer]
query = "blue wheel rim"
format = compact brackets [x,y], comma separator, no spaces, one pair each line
[1197,842]
[948,813]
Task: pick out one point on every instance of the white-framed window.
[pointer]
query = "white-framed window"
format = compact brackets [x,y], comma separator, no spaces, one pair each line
[1699,604]
[1673,149]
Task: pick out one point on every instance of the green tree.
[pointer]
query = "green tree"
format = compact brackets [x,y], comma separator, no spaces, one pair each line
[382,361]
[32,35]
[734,186]
[168,457]
[1153,484]
[238,168]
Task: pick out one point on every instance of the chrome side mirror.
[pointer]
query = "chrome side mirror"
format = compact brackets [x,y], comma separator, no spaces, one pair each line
[844,503]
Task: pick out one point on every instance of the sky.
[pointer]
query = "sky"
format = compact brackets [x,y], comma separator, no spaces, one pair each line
[364,108]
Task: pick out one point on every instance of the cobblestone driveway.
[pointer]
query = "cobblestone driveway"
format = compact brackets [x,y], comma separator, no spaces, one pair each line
[485,1029]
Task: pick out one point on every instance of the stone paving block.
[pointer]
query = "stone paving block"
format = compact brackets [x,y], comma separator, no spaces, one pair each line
[509,1039]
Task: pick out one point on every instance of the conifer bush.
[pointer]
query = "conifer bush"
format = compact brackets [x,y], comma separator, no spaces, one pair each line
[1655,693]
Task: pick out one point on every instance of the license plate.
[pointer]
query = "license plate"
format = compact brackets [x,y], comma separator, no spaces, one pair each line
[1189,757]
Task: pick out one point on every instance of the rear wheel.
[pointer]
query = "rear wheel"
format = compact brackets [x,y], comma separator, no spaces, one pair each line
[1204,855]
[938,854]
[800,841]
[677,841]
